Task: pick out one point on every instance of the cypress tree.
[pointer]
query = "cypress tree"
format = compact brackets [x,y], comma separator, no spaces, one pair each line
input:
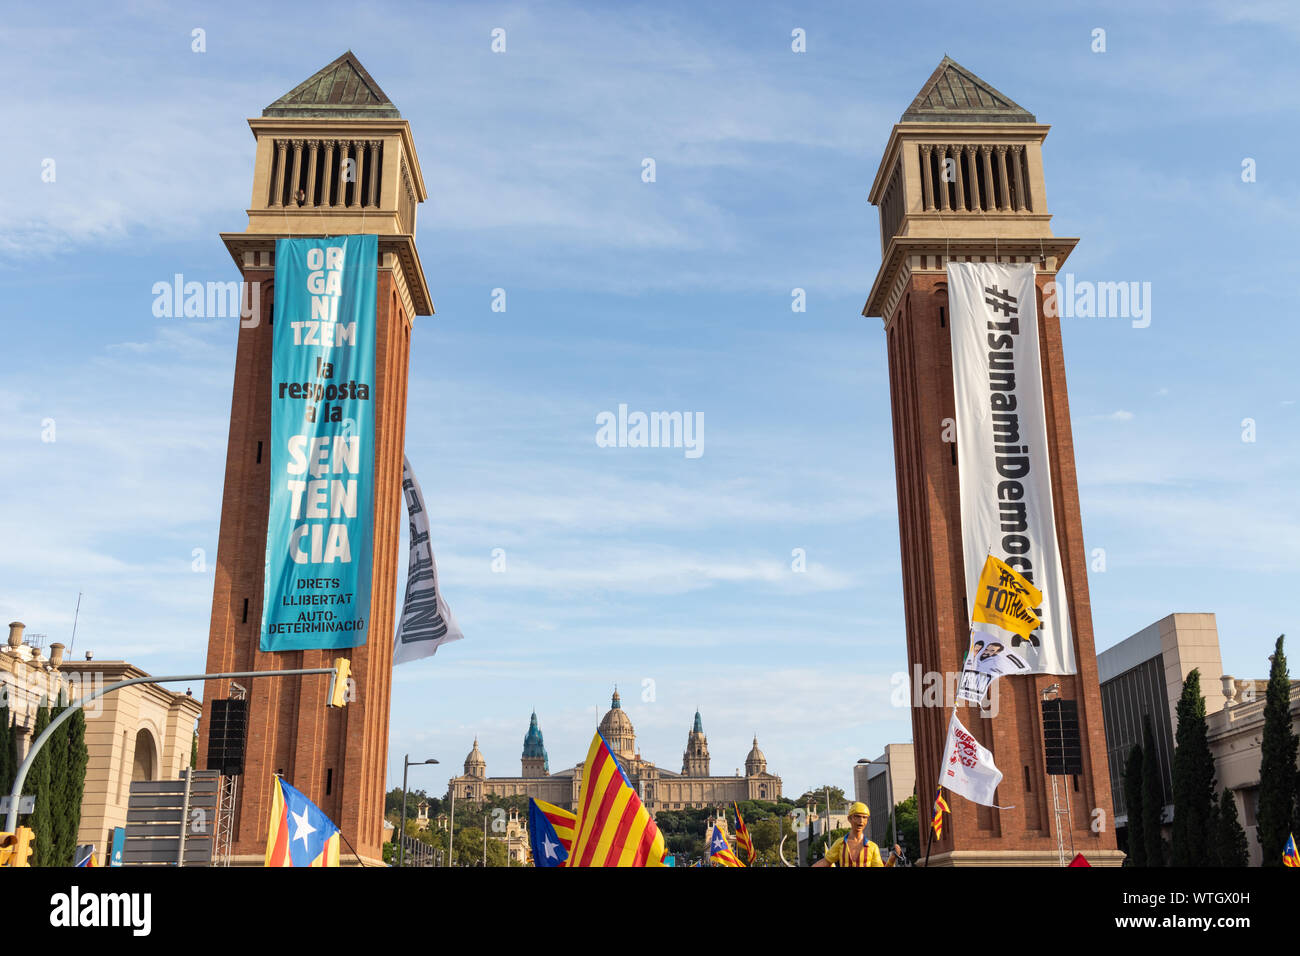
[1137,847]
[1277,769]
[57,748]
[1231,838]
[72,786]
[1193,841]
[8,757]
[37,784]
[1152,797]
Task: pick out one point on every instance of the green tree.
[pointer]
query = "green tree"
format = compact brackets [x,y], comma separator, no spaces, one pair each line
[817,797]
[1277,769]
[37,784]
[1193,774]
[1137,847]
[60,840]
[72,785]
[1152,797]
[909,828]
[194,753]
[1232,848]
[8,757]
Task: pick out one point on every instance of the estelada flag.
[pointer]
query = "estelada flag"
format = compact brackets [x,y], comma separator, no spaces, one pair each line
[300,834]
[1005,599]
[1080,860]
[1289,855]
[613,827]
[742,834]
[720,851]
[550,830]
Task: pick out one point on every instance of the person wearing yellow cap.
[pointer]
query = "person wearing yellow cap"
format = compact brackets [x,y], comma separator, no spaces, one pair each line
[854,849]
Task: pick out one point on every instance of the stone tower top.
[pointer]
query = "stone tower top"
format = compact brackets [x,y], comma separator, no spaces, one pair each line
[334,157]
[961,175]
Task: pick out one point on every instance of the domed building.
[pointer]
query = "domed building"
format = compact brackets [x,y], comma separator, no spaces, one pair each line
[660,789]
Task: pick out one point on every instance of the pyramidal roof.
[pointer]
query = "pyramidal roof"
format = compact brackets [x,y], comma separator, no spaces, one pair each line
[341,90]
[953,94]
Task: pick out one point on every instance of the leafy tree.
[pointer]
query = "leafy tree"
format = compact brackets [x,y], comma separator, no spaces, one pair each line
[1152,798]
[1277,769]
[1232,849]
[1137,847]
[817,797]
[194,752]
[37,784]
[1193,774]
[909,828]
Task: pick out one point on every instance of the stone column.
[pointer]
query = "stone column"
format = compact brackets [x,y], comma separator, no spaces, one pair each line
[927,188]
[960,204]
[372,160]
[327,172]
[277,184]
[1022,200]
[1001,164]
[986,164]
[361,163]
[312,146]
[295,177]
[943,181]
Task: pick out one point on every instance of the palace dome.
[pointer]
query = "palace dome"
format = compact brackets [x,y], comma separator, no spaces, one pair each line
[475,765]
[616,728]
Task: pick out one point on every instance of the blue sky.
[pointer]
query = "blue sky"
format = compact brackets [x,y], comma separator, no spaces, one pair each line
[633,565]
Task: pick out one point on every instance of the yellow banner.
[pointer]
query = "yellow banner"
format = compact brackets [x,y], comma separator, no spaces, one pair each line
[1004,598]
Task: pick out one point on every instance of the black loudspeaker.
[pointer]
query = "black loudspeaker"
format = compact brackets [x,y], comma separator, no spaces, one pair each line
[1061,737]
[227,731]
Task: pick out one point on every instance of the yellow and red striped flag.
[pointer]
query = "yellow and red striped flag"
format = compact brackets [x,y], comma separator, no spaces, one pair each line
[1289,855]
[742,834]
[940,808]
[613,827]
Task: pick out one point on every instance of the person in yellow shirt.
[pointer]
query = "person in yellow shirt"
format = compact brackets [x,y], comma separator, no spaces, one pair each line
[854,849]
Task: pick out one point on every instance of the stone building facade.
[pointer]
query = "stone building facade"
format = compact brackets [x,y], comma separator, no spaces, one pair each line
[139,733]
[659,788]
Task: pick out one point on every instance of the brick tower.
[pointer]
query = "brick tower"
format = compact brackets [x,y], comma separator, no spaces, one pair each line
[991,207]
[334,157]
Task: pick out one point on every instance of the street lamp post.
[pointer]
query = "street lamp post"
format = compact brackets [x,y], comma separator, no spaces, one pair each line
[401,836]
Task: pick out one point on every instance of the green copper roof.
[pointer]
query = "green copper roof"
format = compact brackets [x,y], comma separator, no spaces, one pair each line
[699,724]
[533,743]
[341,90]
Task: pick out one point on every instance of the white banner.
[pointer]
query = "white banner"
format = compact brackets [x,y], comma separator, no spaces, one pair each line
[426,620]
[967,767]
[986,661]
[1002,457]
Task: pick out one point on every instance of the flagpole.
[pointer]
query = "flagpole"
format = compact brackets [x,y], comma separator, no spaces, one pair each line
[970,633]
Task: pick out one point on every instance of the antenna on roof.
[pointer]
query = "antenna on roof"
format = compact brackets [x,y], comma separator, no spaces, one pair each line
[73,642]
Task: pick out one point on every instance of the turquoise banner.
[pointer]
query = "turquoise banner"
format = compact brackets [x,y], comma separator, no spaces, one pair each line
[319,536]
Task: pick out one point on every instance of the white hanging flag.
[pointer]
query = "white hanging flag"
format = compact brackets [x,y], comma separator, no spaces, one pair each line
[426,622]
[967,767]
[1003,469]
